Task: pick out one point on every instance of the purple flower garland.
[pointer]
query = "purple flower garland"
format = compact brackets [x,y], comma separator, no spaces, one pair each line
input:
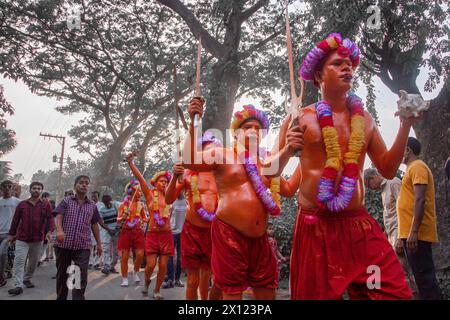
[260,189]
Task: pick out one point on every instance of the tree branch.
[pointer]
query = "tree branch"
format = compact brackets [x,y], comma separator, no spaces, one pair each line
[257,46]
[245,15]
[210,43]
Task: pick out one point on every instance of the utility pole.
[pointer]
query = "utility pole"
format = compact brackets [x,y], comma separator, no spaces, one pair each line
[62,141]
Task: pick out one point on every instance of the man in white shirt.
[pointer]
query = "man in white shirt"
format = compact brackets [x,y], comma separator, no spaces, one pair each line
[390,190]
[177,219]
[8,205]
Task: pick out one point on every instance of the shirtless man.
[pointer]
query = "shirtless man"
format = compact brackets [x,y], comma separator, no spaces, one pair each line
[337,245]
[159,241]
[241,253]
[196,245]
[130,215]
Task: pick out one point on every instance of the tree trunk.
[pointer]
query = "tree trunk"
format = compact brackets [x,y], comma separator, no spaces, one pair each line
[108,166]
[431,132]
[221,96]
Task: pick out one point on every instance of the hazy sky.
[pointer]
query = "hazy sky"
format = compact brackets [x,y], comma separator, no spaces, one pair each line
[35,114]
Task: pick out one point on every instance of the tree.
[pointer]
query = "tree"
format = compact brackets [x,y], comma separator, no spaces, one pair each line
[7,136]
[244,39]
[5,170]
[113,67]
[411,35]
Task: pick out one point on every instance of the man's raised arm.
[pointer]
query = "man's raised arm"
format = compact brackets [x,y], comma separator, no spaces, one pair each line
[388,161]
[192,158]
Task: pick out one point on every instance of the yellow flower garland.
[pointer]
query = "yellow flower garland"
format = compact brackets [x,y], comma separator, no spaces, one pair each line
[156,205]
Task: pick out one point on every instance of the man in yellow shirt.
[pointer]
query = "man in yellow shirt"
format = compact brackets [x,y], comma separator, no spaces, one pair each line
[417,220]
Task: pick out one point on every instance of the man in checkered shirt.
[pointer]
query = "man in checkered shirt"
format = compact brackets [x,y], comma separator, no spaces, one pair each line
[75,216]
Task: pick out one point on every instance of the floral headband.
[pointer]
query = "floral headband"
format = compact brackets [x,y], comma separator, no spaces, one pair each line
[159,175]
[345,47]
[131,187]
[208,137]
[249,112]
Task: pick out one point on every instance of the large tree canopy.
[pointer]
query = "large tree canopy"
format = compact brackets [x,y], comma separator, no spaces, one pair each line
[8,139]
[115,68]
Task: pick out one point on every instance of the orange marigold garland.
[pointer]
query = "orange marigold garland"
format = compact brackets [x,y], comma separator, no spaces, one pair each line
[204,214]
[326,196]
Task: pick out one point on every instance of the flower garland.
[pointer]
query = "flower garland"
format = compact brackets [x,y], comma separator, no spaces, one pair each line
[159,220]
[326,196]
[275,190]
[204,214]
[270,200]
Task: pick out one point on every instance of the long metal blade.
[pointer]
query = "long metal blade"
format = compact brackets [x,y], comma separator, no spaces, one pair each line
[199,64]
[290,59]
[177,116]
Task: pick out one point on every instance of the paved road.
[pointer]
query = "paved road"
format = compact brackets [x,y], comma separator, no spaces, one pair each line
[100,287]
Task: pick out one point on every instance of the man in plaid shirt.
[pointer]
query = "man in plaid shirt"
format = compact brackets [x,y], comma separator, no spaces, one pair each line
[76,216]
[28,229]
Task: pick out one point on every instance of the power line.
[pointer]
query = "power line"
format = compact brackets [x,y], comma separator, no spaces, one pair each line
[62,141]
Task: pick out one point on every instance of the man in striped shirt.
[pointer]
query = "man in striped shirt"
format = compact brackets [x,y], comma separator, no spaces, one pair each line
[110,232]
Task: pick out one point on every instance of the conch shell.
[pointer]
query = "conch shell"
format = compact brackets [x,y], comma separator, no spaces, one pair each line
[410,104]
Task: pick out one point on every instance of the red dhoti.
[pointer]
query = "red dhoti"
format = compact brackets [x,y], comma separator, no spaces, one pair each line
[334,252]
[196,246]
[160,243]
[239,262]
[131,239]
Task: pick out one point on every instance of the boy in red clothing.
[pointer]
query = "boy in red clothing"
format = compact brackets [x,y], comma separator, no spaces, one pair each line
[130,215]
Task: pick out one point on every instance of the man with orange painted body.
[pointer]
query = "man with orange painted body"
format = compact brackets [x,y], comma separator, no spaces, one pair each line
[159,244]
[241,253]
[196,245]
[340,250]
[130,215]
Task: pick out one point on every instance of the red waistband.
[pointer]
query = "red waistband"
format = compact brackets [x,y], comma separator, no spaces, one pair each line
[333,215]
[128,229]
[193,226]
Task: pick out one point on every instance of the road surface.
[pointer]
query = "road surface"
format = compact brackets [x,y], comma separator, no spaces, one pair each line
[100,287]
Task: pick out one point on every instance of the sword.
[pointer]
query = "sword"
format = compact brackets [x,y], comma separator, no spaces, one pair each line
[296,101]
[177,116]
[197,78]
